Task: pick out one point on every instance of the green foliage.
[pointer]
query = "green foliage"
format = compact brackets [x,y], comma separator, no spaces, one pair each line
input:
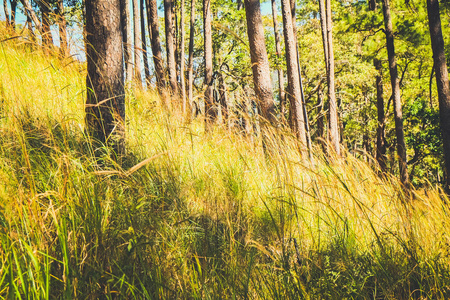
[425,138]
[358,38]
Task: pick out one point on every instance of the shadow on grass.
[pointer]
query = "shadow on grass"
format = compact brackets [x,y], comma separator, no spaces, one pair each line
[74,227]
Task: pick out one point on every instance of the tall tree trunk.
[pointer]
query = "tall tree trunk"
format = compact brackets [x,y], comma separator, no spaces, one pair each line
[155,41]
[64,47]
[260,61]
[223,97]
[30,12]
[294,18]
[5,8]
[137,43]
[323,25]
[210,110]
[430,86]
[365,120]
[303,102]
[47,37]
[13,13]
[440,65]
[191,54]
[279,68]
[381,139]
[333,115]
[401,147]
[125,20]
[83,20]
[176,41]
[182,58]
[294,92]
[144,44]
[320,121]
[29,25]
[292,8]
[380,155]
[105,103]
[304,109]
[170,49]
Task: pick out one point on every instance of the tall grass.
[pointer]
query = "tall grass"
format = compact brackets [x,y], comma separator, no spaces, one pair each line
[192,215]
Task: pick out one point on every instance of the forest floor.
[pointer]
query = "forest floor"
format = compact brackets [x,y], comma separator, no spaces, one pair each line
[194,215]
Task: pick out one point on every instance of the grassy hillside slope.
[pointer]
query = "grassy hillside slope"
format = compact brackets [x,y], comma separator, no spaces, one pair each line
[192,215]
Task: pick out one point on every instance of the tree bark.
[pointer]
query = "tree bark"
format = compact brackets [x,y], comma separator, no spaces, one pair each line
[137,43]
[333,115]
[293,8]
[210,109]
[170,49]
[304,109]
[182,58]
[289,88]
[13,13]
[223,97]
[260,61]
[401,147]
[381,139]
[323,25]
[144,45]
[279,68]
[47,36]
[29,25]
[105,103]
[125,20]
[294,92]
[176,42]
[430,86]
[191,54]
[303,102]
[30,12]
[320,121]
[440,65]
[63,45]
[155,41]
[5,8]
